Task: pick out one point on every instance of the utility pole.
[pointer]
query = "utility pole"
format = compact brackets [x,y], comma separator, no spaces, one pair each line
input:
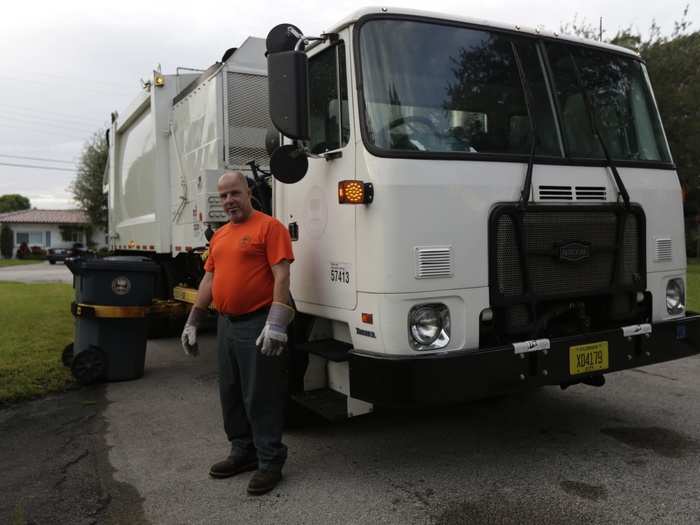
[600,30]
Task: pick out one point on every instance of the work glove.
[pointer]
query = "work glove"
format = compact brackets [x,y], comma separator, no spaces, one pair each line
[272,341]
[189,334]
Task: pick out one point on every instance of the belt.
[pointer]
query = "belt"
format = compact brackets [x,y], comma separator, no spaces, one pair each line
[247,315]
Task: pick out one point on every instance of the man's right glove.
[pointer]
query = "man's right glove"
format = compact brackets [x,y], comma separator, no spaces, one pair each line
[189,334]
[272,341]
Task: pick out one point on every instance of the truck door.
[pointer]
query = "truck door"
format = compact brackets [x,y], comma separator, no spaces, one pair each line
[324,272]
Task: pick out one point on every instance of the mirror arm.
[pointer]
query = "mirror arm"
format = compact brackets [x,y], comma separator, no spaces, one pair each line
[306,151]
[305,40]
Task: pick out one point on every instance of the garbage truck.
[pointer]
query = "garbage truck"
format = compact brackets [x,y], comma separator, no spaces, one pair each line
[475,208]
[167,150]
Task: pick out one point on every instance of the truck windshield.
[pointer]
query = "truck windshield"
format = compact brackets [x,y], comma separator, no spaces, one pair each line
[621,102]
[432,89]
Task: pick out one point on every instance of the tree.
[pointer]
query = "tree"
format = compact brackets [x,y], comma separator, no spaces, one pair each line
[6,241]
[87,186]
[13,202]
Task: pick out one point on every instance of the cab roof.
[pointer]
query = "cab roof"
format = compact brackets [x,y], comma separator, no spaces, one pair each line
[357,15]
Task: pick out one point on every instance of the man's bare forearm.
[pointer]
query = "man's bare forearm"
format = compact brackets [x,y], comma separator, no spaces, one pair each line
[204,291]
[280,291]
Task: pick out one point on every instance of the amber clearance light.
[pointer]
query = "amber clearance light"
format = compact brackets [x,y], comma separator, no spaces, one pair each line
[355,192]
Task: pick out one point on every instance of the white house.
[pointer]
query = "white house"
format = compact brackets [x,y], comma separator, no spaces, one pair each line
[51,229]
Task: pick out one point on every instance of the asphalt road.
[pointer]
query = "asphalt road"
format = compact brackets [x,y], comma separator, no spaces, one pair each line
[625,453]
[42,272]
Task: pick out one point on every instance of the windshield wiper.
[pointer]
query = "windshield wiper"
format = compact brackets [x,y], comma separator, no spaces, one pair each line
[594,127]
[527,185]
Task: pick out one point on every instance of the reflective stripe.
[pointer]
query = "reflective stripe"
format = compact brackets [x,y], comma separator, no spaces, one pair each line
[108,312]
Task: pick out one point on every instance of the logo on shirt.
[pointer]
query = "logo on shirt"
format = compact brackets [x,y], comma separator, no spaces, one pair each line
[245,241]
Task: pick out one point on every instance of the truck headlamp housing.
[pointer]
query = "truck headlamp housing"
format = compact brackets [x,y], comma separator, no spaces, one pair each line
[429,326]
[675,296]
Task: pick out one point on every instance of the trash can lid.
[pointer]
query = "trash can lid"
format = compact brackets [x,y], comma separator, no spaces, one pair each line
[128,263]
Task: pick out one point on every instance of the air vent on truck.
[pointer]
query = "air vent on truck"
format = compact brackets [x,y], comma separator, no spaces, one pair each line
[555,193]
[590,193]
[248,119]
[433,261]
[663,250]
[565,193]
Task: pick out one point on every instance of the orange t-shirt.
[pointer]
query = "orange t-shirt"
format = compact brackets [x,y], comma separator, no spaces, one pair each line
[240,255]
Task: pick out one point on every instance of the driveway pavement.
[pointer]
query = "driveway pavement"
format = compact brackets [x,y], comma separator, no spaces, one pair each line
[42,272]
[627,453]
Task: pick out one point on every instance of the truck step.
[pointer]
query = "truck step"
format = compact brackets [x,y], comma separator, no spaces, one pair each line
[330,349]
[327,403]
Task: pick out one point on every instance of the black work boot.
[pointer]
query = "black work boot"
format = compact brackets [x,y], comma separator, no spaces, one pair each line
[264,481]
[232,466]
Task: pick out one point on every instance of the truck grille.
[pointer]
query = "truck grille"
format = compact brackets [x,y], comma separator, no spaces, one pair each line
[552,252]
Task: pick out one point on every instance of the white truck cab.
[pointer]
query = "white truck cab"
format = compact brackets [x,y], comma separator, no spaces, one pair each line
[475,208]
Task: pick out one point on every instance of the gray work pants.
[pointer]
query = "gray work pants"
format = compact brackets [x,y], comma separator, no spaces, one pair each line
[253,391]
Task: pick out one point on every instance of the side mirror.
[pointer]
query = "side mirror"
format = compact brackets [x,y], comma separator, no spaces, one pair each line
[288,164]
[288,91]
[287,70]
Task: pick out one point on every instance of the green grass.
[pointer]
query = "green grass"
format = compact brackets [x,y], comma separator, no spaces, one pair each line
[36,324]
[18,262]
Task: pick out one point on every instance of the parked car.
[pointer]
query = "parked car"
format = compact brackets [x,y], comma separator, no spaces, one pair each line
[61,254]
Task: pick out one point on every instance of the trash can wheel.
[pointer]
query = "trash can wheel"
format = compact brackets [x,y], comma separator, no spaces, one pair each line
[89,365]
[67,355]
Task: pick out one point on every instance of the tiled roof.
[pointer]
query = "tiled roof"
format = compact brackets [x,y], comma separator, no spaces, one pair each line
[45,217]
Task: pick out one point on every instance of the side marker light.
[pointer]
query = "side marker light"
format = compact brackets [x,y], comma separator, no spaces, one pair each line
[355,192]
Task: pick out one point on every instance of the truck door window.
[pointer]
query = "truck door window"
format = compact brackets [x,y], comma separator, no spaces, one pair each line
[329,122]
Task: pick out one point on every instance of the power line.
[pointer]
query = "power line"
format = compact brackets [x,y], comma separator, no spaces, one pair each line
[32,128]
[41,114]
[38,83]
[35,167]
[25,109]
[36,158]
[75,79]
[49,122]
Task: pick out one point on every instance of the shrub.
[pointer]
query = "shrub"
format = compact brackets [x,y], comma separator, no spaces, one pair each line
[37,252]
[23,251]
[7,244]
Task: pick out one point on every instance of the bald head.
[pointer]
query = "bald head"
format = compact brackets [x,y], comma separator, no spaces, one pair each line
[235,196]
[232,177]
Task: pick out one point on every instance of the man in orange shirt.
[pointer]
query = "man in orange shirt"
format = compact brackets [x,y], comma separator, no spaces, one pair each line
[247,277]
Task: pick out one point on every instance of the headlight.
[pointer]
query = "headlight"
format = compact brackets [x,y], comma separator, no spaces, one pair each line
[429,326]
[675,296]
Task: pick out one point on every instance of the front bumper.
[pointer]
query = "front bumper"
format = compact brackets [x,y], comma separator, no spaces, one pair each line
[459,376]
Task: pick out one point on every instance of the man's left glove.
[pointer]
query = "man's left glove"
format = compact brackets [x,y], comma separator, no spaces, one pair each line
[189,334]
[272,341]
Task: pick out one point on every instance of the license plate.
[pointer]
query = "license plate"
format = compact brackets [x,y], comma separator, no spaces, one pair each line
[587,358]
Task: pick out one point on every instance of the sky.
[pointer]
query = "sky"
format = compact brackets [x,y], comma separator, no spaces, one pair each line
[65,66]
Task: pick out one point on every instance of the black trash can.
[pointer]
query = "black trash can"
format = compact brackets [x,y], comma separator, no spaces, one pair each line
[112,296]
